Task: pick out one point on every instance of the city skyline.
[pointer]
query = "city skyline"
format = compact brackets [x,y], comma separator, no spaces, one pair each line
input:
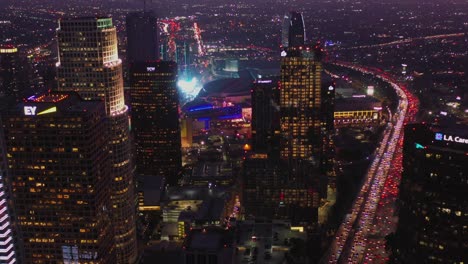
[255,132]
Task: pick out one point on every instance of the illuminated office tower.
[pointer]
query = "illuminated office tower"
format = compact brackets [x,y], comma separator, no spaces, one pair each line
[301,104]
[89,64]
[9,60]
[304,134]
[433,209]
[293,33]
[7,243]
[142,37]
[155,119]
[58,162]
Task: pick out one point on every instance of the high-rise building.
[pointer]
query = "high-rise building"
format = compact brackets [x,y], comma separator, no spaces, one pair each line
[272,190]
[327,159]
[9,67]
[304,133]
[58,164]
[433,209]
[15,73]
[301,104]
[270,193]
[261,186]
[142,37]
[89,64]
[184,54]
[265,116]
[7,240]
[7,245]
[293,33]
[155,119]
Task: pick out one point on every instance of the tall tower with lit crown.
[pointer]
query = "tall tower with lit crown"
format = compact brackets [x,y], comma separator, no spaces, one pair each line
[89,64]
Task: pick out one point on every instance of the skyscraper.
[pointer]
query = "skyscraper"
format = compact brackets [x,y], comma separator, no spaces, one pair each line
[155,118]
[265,116]
[58,162]
[433,206]
[293,33]
[327,158]
[262,184]
[9,60]
[7,241]
[301,104]
[142,37]
[89,64]
[303,133]
[7,246]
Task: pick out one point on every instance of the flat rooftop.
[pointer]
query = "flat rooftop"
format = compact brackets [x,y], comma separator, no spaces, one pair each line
[212,239]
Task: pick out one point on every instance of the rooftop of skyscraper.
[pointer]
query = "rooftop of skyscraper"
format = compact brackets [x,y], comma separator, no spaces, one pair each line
[57,102]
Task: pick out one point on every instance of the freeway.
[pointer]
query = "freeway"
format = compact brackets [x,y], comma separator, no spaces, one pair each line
[351,240]
[401,41]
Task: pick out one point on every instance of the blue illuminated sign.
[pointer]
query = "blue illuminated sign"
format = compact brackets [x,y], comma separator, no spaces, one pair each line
[200,108]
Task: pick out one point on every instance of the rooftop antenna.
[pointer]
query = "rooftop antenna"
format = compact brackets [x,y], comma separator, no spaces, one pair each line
[144,5]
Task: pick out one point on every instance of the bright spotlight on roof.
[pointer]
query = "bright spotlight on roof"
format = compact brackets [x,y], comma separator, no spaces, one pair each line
[189,87]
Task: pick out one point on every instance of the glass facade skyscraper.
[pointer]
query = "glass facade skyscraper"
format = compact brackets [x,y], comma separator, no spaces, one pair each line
[58,162]
[142,37]
[433,214]
[293,33]
[266,116]
[89,64]
[304,133]
[300,101]
[9,71]
[155,119]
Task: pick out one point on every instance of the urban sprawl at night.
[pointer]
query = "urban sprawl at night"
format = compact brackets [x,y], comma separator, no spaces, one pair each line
[226,132]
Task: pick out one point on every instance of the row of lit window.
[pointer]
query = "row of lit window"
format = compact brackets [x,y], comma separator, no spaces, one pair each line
[430,155]
[354,113]
[42,240]
[432,245]
[154,74]
[26,223]
[449,211]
